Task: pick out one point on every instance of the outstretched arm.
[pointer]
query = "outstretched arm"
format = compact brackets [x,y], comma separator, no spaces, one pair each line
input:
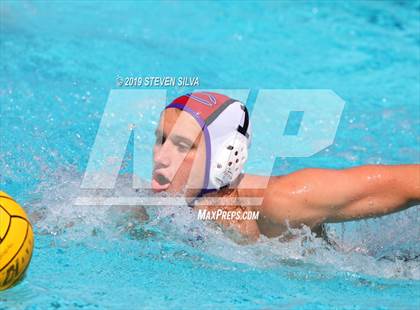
[316,196]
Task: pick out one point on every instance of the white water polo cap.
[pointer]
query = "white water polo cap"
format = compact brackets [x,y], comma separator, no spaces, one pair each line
[227,134]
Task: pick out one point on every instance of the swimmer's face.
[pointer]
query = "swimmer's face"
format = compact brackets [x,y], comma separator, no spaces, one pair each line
[178,154]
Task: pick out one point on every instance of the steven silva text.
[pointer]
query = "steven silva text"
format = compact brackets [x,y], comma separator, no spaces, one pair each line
[157,81]
[207,215]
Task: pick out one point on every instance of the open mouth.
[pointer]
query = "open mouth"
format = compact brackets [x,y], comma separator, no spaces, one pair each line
[160,182]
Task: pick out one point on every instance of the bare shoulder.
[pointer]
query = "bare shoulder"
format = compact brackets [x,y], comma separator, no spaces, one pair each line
[275,190]
[279,185]
[285,197]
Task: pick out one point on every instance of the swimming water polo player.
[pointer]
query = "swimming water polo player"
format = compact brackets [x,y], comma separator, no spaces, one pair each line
[202,145]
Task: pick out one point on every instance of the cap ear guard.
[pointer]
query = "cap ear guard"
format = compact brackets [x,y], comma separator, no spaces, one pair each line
[229,161]
[231,152]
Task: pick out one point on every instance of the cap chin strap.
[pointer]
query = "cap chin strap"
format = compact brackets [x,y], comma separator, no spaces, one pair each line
[205,191]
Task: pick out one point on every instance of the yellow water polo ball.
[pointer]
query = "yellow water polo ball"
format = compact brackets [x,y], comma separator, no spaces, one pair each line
[16,242]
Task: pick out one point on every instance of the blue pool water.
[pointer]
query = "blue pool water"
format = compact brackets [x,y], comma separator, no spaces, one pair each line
[58,64]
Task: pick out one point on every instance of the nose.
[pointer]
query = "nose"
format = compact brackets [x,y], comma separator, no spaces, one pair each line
[161,156]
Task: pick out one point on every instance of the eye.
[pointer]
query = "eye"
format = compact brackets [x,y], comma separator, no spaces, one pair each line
[182,147]
[160,139]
